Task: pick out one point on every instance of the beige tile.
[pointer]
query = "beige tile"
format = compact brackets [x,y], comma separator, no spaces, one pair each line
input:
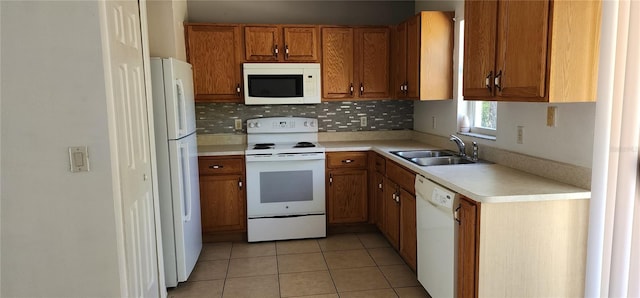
[385,256]
[340,242]
[301,263]
[412,292]
[256,286]
[348,259]
[252,266]
[384,293]
[306,283]
[399,275]
[297,246]
[208,270]
[373,240]
[250,250]
[196,289]
[215,251]
[359,279]
[319,296]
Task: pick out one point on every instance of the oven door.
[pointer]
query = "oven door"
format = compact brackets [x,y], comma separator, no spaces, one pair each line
[285,185]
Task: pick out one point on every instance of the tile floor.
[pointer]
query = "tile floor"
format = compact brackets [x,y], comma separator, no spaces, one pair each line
[341,265]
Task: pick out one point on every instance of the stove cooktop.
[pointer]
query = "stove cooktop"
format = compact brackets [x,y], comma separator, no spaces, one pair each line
[267,148]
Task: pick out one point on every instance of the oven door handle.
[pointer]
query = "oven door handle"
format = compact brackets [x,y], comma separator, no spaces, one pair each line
[287,157]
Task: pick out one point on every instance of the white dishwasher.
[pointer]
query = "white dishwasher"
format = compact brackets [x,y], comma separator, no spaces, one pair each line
[436,237]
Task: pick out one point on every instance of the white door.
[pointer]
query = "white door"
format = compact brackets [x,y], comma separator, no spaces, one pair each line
[130,146]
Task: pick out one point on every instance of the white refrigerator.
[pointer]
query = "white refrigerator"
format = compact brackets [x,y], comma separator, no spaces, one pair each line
[177,161]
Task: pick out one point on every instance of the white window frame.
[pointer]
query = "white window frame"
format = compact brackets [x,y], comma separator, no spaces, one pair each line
[473,112]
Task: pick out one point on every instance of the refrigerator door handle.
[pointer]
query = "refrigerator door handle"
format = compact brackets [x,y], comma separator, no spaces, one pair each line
[182,108]
[184,182]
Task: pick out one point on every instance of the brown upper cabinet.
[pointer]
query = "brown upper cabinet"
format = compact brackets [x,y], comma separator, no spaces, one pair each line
[281,43]
[214,52]
[422,57]
[544,51]
[355,62]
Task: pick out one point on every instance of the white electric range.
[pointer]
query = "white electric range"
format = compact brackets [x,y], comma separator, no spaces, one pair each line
[285,179]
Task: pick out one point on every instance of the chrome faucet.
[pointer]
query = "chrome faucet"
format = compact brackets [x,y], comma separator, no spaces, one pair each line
[460,144]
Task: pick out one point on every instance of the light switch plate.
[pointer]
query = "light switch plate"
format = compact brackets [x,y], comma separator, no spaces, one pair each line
[79,159]
[520,139]
[238,124]
[363,121]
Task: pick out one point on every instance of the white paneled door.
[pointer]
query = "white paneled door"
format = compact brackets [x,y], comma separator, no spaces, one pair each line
[130,141]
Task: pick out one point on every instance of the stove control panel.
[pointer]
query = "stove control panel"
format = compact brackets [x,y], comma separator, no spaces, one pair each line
[282,125]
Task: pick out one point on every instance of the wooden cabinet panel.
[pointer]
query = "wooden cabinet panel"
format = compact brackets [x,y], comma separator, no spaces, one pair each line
[222,203]
[301,44]
[479,47]
[391,213]
[468,232]
[372,62]
[399,60]
[408,231]
[413,58]
[353,159]
[347,196]
[522,48]
[261,43]
[403,177]
[378,197]
[214,52]
[337,63]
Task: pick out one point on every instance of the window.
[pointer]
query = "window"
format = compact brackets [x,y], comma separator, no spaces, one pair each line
[483,117]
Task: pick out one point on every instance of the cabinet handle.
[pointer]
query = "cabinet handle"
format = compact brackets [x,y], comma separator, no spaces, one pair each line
[456,214]
[406,87]
[330,179]
[275,51]
[351,88]
[361,89]
[393,196]
[487,80]
[398,198]
[216,167]
[380,185]
[286,52]
[238,89]
[498,80]
[347,160]
[240,183]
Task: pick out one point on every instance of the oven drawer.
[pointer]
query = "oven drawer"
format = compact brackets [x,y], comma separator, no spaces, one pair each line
[347,160]
[212,165]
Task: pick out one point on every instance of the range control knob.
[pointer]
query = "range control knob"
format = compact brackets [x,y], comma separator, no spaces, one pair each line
[312,123]
[306,124]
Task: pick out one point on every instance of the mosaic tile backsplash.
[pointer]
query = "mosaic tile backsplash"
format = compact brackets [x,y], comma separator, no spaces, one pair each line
[212,118]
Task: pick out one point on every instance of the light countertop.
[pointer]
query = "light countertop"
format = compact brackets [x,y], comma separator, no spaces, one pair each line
[485,183]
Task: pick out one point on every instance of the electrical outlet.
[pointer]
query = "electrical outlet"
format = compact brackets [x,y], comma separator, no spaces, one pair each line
[363,121]
[238,124]
[520,139]
[552,116]
[433,122]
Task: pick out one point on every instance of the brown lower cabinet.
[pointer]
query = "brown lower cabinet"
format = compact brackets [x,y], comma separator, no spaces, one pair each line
[408,233]
[346,187]
[222,194]
[466,280]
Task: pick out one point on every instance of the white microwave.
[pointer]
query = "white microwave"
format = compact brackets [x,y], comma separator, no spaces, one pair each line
[281,83]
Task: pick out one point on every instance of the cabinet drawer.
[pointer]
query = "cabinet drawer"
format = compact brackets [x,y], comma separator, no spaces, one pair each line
[347,160]
[401,176]
[380,163]
[220,165]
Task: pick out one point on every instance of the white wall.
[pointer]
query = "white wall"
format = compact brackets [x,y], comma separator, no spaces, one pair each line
[571,141]
[58,228]
[166,28]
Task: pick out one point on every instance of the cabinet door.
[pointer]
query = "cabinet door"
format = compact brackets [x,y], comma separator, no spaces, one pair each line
[522,48]
[399,60]
[467,249]
[347,196]
[391,213]
[372,62]
[337,63]
[379,197]
[214,53]
[408,231]
[413,57]
[261,43]
[480,22]
[222,203]
[301,44]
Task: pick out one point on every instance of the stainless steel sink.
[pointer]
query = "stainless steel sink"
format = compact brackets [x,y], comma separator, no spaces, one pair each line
[433,157]
[423,153]
[436,161]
